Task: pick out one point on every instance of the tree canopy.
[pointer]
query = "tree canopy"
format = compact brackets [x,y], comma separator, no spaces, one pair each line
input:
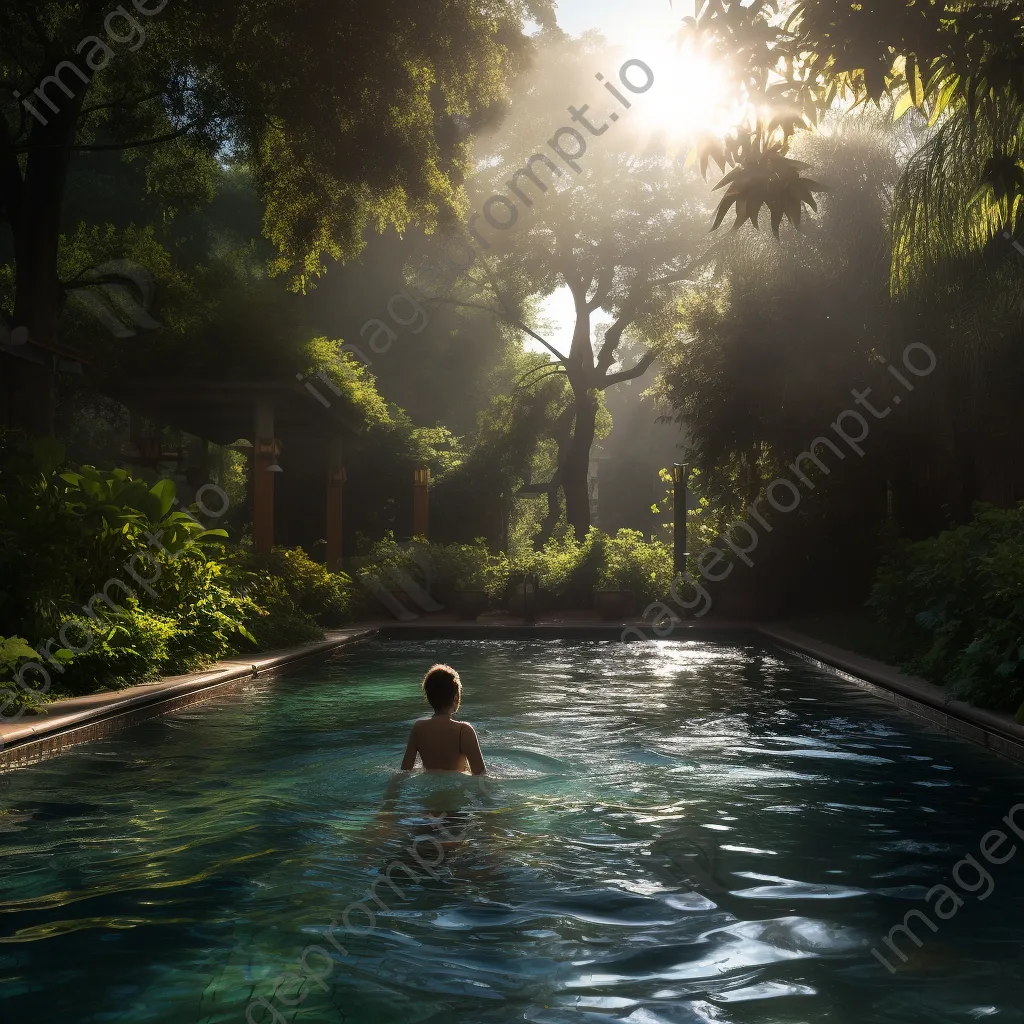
[956,62]
[347,114]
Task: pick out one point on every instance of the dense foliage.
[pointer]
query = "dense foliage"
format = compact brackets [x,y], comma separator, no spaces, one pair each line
[956,62]
[956,603]
[106,584]
[779,340]
[567,570]
[358,114]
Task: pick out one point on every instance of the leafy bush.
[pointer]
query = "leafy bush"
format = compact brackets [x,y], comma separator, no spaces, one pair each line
[631,563]
[131,647]
[566,569]
[293,599]
[15,652]
[65,532]
[441,569]
[323,595]
[153,592]
[211,618]
[461,567]
[956,601]
[386,563]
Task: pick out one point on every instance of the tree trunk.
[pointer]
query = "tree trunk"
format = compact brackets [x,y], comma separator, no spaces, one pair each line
[562,434]
[550,520]
[33,206]
[36,218]
[576,471]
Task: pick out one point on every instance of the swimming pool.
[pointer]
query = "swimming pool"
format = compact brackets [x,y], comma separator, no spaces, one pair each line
[687,832]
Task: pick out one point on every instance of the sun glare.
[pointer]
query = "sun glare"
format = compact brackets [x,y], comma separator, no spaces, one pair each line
[690,96]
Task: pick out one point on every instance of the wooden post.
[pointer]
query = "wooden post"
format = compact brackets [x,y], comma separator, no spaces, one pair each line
[263,479]
[335,496]
[679,475]
[421,503]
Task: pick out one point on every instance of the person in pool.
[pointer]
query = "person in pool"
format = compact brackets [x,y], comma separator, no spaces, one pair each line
[442,743]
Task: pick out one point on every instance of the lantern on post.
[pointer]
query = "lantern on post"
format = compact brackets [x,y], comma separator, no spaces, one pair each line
[421,502]
[680,474]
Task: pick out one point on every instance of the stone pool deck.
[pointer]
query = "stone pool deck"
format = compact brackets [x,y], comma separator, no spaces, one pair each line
[66,723]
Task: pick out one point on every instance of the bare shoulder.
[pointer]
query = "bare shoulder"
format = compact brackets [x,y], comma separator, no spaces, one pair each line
[469,732]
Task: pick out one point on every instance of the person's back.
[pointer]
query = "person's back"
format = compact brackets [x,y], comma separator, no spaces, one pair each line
[444,744]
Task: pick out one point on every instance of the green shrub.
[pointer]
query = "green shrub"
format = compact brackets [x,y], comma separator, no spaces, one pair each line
[566,569]
[276,622]
[15,651]
[632,563]
[211,619]
[441,569]
[386,563]
[131,647]
[460,567]
[64,532]
[195,620]
[292,599]
[956,603]
[326,597]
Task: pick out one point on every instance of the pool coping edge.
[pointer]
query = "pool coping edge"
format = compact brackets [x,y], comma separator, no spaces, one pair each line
[50,734]
[993,730]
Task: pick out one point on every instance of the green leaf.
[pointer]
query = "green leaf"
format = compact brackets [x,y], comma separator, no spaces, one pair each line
[903,104]
[165,492]
[15,648]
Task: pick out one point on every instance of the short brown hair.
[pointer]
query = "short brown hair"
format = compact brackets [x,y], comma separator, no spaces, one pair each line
[442,686]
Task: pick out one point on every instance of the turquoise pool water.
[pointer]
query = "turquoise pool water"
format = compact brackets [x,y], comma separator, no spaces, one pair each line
[684,833]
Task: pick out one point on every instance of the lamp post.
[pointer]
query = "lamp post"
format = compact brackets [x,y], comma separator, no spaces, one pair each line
[421,502]
[264,471]
[336,478]
[680,472]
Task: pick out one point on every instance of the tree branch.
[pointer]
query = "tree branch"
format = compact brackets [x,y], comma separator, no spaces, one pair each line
[605,280]
[544,376]
[639,292]
[627,314]
[121,103]
[509,320]
[632,373]
[683,274]
[529,373]
[114,146]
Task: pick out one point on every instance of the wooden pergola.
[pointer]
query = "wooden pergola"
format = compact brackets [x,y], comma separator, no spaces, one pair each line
[293,435]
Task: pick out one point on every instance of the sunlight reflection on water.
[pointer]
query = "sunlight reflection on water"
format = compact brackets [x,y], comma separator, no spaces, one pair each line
[687,840]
